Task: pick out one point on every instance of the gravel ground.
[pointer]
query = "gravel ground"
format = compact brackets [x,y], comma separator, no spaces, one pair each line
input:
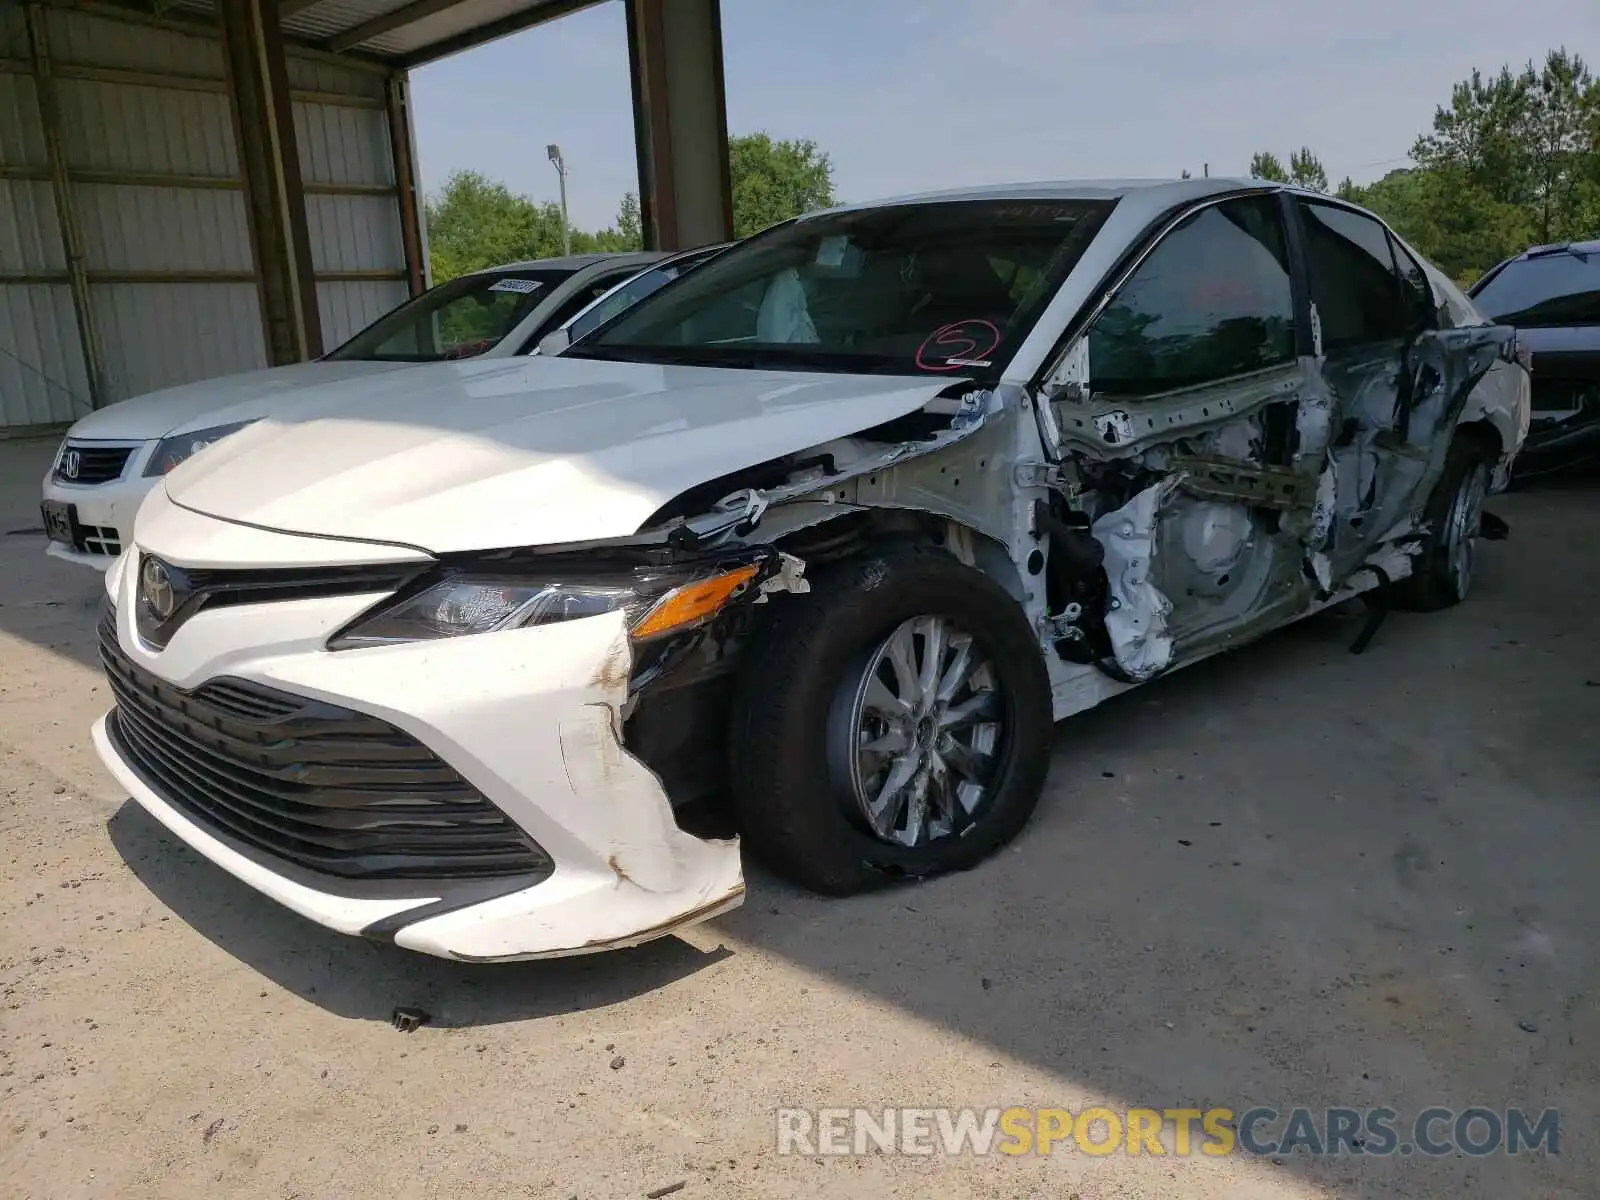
[1290,876]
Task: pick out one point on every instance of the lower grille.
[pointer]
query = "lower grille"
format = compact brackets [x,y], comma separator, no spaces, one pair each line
[99,539]
[86,463]
[331,790]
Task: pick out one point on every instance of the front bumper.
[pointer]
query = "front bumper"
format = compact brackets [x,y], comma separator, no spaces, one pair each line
[105,512]
[528,717]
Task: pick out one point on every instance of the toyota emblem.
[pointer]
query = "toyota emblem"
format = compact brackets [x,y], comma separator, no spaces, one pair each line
[71,464]
[156,590]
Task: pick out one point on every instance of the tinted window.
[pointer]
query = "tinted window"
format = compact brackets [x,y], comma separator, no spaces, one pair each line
[1553,289]
[1353,281]
[458,319]
[1211,301]
[942,287]
[1416,289]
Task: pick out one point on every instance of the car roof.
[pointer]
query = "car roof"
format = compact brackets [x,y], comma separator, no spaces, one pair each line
[1157,194]
[1576,249]
[577,262]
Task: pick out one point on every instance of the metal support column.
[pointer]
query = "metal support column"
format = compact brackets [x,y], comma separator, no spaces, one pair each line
[402,141]
[61,188]
[680,122]
[258,86]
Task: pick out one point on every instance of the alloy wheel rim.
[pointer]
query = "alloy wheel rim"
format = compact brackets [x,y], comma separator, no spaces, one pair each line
[1463,523]
[922,733]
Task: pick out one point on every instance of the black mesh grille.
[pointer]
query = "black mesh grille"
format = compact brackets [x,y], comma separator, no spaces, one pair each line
[95,464]
[334,791]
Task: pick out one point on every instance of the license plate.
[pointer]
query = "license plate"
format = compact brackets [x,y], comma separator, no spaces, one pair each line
[60,521]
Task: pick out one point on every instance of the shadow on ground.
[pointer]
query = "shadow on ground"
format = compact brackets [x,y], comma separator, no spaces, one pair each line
[43,601]
[366,980]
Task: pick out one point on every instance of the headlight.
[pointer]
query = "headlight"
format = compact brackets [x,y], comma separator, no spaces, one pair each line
[174,450]
[655,601]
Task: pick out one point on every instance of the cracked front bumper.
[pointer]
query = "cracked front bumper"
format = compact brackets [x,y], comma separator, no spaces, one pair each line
[527,717]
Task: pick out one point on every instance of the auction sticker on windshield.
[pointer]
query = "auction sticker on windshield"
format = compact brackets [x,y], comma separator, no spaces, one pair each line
[524,286]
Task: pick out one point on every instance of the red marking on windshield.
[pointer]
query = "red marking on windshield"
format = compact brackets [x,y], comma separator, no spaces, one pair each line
[960,344]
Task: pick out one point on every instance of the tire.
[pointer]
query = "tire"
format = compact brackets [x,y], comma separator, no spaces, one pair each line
[804,699]
[1442,574]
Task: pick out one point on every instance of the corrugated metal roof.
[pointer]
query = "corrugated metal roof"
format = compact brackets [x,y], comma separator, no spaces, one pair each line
[407,31]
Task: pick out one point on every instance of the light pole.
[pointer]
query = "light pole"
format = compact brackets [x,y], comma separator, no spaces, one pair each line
[554,151]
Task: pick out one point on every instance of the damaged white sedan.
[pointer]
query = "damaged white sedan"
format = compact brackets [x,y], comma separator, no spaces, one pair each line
[831,529]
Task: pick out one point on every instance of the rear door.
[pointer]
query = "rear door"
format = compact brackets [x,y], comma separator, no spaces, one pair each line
[1398,378]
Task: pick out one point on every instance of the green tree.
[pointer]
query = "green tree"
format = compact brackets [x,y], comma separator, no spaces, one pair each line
[1306,170]
[630,225]
[474,223]
[1265,165]
[1512,160]
[776,180]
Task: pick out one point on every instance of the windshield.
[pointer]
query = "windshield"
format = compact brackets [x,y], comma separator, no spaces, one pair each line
[937,287]
[1552,290]
[458,319]
[630,293]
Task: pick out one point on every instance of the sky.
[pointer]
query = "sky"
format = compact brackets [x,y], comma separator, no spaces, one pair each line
[907,95]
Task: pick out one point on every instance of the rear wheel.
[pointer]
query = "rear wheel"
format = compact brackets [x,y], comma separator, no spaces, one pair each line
[893,722]
[1442,575]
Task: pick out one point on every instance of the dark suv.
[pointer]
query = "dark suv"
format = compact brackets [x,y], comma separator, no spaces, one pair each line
[1551,294]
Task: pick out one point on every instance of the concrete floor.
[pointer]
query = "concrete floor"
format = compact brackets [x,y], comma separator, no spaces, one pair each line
[1289,876]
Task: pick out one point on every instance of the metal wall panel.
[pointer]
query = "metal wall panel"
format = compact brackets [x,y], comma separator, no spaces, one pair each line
[42,375]
[88,40]
[162,229]
[347,308]
[318,75]
[343,145]
[112,126]
[21,138]
[13,31]
[30,237]
[156,335]
[355,233]
[43,380]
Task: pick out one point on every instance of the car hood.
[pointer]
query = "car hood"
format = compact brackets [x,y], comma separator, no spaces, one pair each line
[198,405]
[529,452]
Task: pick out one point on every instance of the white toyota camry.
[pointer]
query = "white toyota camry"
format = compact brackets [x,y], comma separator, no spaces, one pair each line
[828,531]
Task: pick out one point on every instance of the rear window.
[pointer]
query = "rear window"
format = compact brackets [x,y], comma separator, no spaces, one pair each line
[1552,290]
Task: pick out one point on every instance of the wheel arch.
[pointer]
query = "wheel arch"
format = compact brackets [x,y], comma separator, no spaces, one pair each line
[864,531]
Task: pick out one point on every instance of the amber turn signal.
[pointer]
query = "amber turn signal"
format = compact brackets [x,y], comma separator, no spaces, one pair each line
[693,603]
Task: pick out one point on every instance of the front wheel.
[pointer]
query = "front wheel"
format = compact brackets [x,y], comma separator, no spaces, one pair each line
[893,722]
[1443,572]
